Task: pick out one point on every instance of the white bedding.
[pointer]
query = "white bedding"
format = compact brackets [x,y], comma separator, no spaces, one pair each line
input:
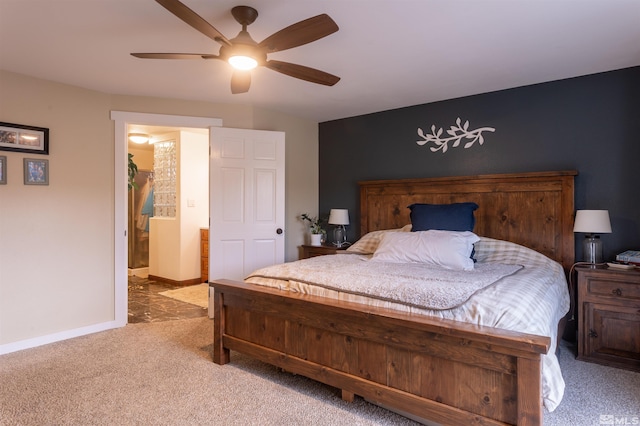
[532,300]
[414,284]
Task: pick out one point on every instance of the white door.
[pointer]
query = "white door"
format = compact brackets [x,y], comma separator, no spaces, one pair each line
[246,229]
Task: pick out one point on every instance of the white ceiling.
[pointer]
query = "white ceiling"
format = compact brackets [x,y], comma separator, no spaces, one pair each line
[388,53]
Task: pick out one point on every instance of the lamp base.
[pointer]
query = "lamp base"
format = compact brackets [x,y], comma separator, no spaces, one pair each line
[340,236]
[592,249]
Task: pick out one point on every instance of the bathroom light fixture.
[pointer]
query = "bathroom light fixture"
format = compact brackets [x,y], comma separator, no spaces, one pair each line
[592,222]
[139,138]
[339,217]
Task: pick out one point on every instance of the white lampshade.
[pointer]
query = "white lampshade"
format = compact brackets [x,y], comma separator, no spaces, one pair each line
[592,222]
[339,217]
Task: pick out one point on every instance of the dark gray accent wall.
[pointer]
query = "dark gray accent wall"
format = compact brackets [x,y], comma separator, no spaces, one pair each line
[590,124]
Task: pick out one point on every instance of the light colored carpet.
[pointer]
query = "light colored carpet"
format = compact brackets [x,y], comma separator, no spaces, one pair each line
[195,294]
[162,374]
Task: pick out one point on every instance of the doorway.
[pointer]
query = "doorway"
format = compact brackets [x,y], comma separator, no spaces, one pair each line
[169,165]
[122,121]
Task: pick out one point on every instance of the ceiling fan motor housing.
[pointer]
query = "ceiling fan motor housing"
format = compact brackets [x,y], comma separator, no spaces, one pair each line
[243,45]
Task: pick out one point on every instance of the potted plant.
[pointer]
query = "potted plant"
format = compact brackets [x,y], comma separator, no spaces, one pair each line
[133,171]
[318,234]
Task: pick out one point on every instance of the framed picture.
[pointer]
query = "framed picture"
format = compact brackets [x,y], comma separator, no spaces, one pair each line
[3,170]
[36,171]
[17,137]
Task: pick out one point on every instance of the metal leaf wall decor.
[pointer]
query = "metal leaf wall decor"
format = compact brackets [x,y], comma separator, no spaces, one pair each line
[456,134]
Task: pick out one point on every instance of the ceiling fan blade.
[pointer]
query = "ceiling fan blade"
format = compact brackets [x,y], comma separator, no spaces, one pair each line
[240,82]
[300,33]
[172,55]
[303,73]
[196,21]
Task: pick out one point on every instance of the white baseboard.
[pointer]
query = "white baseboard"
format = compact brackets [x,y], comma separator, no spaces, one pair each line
[57,337]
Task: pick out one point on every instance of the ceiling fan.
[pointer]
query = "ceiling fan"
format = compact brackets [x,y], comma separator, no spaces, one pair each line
[244,54]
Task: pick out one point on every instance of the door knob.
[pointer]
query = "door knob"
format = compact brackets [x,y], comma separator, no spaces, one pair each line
[279,231]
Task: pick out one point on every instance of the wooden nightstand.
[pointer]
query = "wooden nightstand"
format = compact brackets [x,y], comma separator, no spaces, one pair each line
[312,251]
[609,317]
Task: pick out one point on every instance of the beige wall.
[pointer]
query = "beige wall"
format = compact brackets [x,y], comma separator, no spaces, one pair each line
[57,248]
[174,243]
[193,212]
[142,157]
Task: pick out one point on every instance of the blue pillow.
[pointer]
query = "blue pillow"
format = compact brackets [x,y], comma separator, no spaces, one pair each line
[446,217]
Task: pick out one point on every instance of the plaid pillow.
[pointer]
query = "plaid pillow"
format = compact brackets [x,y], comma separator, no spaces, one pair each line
[370,241]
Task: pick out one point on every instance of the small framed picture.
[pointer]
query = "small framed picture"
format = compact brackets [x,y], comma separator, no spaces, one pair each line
[36,171]
[21,138]
[3,170]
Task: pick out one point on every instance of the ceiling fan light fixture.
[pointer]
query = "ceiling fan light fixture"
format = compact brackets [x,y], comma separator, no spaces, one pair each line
[139,138]
[242,62]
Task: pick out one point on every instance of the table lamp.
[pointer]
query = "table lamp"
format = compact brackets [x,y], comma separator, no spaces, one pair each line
[340,218]
[592,222]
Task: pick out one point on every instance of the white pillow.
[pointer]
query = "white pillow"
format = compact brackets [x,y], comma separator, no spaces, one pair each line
[449,249]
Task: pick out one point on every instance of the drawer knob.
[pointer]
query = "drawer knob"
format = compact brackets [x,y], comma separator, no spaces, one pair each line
[617,292]
[592,333]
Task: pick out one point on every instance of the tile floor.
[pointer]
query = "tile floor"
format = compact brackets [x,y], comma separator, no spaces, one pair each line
[146,305]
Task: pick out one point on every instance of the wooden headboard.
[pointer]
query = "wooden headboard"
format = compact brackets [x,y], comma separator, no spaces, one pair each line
[531,209]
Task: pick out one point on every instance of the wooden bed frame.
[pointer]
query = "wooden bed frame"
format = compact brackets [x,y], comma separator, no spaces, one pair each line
[442,371]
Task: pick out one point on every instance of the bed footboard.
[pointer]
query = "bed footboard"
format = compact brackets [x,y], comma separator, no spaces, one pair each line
[443,371]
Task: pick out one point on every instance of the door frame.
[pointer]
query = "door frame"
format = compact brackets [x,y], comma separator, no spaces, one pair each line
[122,119]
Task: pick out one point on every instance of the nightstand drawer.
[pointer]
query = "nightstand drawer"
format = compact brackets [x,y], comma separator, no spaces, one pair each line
[617,289]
